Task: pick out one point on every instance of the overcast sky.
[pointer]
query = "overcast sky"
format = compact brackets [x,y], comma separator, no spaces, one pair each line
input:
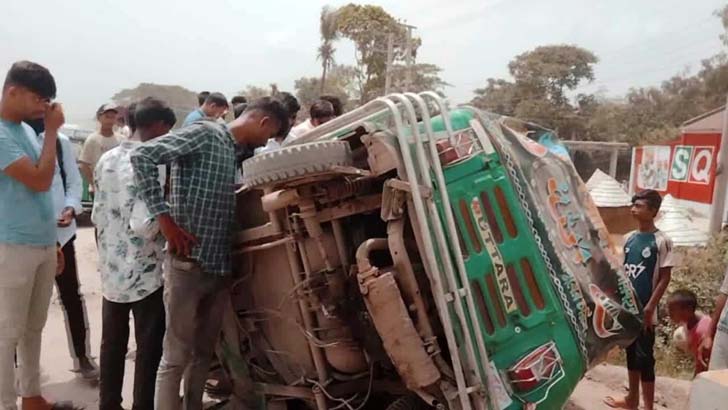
[95,48]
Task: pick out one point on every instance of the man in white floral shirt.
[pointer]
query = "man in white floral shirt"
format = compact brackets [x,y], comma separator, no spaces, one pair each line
[130,262]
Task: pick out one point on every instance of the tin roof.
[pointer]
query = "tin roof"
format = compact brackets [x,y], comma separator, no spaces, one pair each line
[606,192]
[683,231]
[709,122]
[678,223]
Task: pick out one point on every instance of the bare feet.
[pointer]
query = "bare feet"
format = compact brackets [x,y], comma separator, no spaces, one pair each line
[626,403]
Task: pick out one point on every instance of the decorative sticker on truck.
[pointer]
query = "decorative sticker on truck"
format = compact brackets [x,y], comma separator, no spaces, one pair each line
[560,197]
[499,268]
[606,314]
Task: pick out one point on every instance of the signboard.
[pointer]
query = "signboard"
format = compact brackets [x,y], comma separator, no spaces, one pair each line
[684,168]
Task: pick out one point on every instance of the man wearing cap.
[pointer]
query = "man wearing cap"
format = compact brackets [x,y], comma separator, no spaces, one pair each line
[99,142]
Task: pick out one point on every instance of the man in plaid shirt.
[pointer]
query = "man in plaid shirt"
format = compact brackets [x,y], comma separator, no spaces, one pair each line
[198,227]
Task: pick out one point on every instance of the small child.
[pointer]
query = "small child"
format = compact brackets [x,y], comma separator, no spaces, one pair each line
[682,305]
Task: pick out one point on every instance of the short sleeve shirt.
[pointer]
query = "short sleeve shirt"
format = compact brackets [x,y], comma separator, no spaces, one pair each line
[130,264]
[723,322]
[645,253]
[33,223]
[97,145]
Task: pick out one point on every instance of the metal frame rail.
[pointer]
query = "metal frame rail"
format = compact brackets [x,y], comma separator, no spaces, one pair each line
[451,286]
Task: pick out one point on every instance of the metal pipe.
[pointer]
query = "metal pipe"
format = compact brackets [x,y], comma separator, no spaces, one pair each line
[340,244]
[279,199]
[428,258]
[307,212]
[265,246]
[365,249]
[406,275]
[306,313]
[440,102]
[440,235]
[320,398]
[451,227]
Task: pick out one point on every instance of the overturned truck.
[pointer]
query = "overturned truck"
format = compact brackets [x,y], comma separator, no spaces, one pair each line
[406,256]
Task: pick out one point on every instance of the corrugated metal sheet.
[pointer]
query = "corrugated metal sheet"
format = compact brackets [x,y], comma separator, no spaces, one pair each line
[606,191]
[680,226]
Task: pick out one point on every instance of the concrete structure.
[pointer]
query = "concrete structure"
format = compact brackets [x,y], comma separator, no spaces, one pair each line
[709,391]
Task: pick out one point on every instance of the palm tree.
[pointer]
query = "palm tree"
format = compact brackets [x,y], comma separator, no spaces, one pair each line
[329,33]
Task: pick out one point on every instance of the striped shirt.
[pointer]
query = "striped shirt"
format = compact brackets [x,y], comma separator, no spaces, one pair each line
[202,158]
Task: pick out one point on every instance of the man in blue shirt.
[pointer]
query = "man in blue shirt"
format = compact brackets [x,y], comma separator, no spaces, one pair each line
[214,107]
[66,190]
[29,254]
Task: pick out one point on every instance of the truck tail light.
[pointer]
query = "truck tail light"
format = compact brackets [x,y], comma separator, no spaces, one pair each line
[541,365]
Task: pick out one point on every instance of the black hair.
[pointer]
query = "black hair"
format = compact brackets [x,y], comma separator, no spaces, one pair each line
[150,110]
[201,97]
[321,109]
[238,99]
[217,99]
[652,197]
[683,298]
[32,76]
[37,124]
[130,120]
[238,109]
[290,103]
[273,108]
[336,102]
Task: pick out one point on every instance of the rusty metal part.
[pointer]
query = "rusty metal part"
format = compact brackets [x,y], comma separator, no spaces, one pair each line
[309,216]
[391,318]
[279,199]
[285,391]
[306,313]
[341,244]
[398,333]
[354,206]
[338,189]
[255,234]
[264,246]
[318,394]
[383,153]
[406,277]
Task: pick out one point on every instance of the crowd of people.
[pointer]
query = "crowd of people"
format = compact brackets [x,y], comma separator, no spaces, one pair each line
[163,208]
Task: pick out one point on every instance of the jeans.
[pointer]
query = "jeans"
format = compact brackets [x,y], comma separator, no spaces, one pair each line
[194,301]
[26,285]
[74,306]
[149,332]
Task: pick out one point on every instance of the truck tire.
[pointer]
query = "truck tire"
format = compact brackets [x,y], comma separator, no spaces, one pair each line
[295,162]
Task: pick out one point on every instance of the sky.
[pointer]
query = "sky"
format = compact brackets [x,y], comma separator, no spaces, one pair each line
[95,48]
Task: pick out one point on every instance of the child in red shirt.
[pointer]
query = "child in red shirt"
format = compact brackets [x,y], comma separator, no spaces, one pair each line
[682,305]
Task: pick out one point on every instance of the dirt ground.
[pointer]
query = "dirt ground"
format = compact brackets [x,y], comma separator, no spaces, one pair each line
[59,383]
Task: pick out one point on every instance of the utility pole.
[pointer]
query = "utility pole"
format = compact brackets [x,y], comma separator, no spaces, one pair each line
[409,58]
[717,212]
[390,61]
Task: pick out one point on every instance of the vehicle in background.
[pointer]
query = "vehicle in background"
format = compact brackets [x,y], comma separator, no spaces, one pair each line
[77,136]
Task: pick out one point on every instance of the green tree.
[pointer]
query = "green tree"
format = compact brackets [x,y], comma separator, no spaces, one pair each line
[424,77]
[254,92]
[341,83]
[541,79]
[329,34]
[369,28]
